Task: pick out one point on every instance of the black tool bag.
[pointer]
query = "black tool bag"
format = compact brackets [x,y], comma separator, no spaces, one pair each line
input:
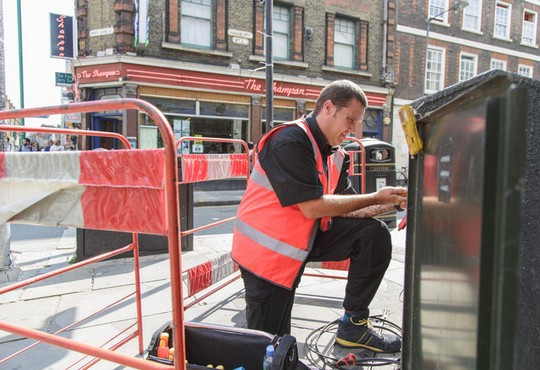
[208,344]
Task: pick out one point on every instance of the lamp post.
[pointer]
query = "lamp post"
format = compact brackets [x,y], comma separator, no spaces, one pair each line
[457,5]
[269,9]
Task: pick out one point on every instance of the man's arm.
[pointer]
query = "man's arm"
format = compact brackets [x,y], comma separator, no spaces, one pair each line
[331,205]
[370,211]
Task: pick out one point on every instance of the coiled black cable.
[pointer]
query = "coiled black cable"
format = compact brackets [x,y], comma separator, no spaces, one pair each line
[312,344]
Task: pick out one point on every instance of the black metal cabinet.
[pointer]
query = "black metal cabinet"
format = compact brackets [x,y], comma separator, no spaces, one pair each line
[471,298]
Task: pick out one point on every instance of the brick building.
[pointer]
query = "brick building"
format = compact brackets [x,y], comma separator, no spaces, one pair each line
[200,61]
[486,34]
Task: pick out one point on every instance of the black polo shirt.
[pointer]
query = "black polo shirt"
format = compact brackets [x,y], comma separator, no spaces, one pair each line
[289,162]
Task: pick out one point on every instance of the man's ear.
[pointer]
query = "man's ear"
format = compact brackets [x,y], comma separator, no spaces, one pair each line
[328,106]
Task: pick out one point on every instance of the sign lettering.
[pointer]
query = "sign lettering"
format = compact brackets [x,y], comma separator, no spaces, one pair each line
[63,79]
[97,73]
[238,33]
[255,86]
[102,32]
[61,36]
[240,40]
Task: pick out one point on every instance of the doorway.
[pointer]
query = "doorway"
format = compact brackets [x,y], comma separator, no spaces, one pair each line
[108,124]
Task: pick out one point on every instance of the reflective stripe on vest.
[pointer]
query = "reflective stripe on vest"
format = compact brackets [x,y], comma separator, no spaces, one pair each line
[260,179]
[272,241]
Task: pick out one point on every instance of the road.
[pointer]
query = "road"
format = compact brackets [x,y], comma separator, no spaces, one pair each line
[30,232]
[206,215]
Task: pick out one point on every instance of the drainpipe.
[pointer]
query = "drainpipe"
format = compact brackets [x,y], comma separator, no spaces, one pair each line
[388,108]
[21,70]
[385,35]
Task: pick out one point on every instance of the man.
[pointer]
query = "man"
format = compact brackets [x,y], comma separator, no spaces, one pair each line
[49,145]
[27,146]
[56,147]
[299,206]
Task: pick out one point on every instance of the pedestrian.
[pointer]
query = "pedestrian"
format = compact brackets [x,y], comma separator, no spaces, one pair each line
[35,146]
[26,146]
[9,146]
[299,206]
[56,147]
[48,146]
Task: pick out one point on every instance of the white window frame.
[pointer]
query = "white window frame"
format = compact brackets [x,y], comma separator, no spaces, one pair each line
[182,28]
[467,11]
[475,65]
[495,60]
[444,17]
[535,28]
[353,45]
[508,20]
[522,67]
[275,32]
[442,72]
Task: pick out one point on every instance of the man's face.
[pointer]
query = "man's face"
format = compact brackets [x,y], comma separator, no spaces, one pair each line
[342,120]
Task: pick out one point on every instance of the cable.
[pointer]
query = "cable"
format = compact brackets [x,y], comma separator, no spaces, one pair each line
[312,344]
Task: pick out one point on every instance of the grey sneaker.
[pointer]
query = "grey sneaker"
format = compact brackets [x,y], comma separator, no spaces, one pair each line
[356,332]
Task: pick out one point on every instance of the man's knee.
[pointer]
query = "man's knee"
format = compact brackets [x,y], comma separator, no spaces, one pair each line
[378,236]
[385,238]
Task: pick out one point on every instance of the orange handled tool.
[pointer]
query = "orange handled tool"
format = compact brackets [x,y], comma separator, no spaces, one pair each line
[403,223]
[163,348]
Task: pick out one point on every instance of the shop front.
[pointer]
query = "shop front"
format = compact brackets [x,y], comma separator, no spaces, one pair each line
[220,102]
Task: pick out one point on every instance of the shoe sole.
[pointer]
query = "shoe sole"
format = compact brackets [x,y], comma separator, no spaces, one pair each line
[347,344]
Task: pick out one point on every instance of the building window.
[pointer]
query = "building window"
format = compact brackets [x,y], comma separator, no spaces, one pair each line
[436,7]
[287,32]
[502,20]
[434,78]
[196,23]
[498,64]
[528,33]
[526,71]
[280,31]
[467,66]
[471,15]
[344,44]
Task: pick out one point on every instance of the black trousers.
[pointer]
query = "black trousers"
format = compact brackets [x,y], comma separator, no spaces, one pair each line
[367,241]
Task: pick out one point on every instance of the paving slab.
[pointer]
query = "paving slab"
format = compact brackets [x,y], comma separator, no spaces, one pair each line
[25,313]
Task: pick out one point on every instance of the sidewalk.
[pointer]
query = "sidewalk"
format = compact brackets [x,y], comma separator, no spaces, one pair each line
[57,302]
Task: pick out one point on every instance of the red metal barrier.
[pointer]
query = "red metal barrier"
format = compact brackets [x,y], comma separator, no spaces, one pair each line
[243,170]
[362,164]
[172,217]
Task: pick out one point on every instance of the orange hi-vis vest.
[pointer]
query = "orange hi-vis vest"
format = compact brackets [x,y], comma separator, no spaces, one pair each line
[272,241]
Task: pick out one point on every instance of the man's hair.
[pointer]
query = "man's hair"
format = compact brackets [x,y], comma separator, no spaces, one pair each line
[340,94]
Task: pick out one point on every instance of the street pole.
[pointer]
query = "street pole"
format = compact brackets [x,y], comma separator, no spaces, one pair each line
[269,66]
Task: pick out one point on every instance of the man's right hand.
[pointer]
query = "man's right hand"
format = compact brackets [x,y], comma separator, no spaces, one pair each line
[395,195]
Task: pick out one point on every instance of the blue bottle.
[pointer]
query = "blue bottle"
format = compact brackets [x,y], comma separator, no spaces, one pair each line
[268,358]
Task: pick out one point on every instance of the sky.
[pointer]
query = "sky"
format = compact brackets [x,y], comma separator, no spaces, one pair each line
[39,67]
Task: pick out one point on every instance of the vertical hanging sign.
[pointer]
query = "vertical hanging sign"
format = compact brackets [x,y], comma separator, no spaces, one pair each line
[61,36]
